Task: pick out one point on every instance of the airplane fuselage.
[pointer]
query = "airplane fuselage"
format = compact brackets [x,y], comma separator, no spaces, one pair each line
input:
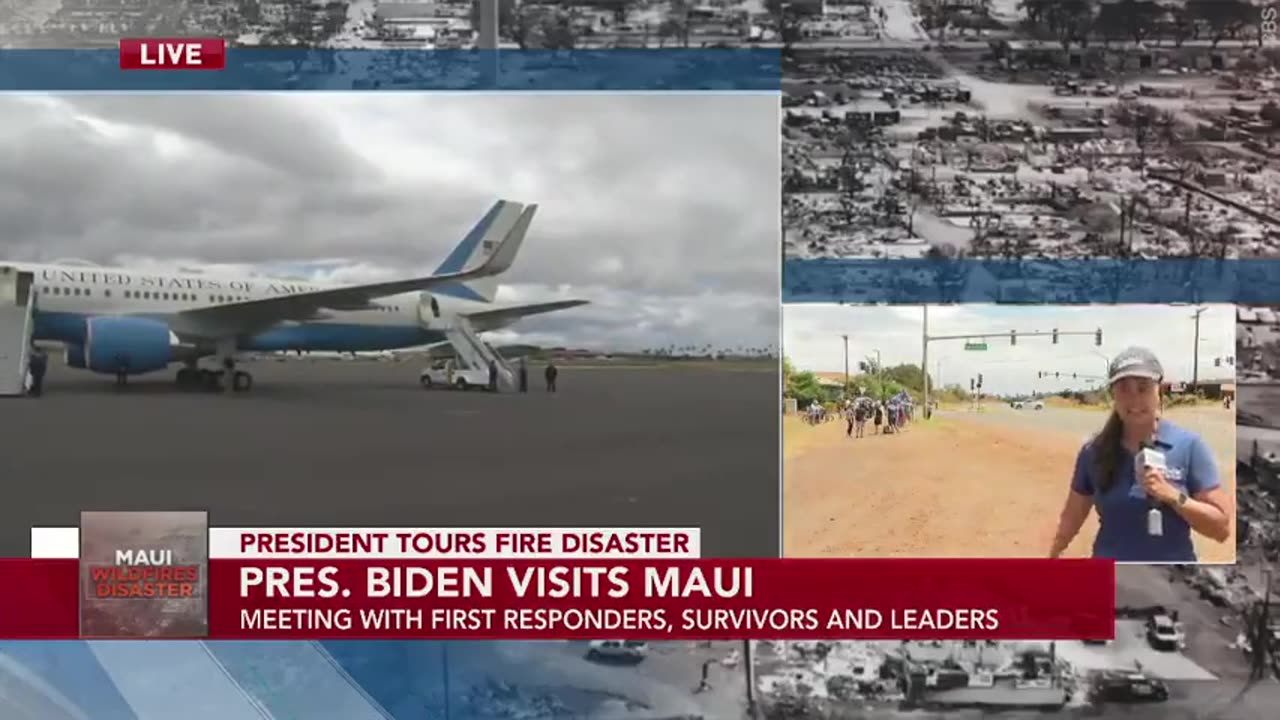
[68,295]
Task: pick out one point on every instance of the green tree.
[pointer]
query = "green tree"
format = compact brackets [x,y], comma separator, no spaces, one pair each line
[804,387]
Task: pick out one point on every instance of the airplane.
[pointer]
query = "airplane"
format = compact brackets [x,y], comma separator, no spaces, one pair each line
[124,322]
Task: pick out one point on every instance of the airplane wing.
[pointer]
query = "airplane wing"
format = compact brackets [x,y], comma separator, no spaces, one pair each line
[494,319]
[239,318]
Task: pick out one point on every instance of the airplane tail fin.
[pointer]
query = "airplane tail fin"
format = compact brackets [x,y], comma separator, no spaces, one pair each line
[500,222]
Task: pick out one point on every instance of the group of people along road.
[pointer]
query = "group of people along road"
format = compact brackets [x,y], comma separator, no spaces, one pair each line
[888,417]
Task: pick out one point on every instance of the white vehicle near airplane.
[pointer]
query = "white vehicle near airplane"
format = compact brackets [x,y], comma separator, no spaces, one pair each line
[446,374]
[124,322]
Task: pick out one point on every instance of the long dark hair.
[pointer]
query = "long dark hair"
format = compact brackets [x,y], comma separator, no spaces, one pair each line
[1108,452]
[1108,446]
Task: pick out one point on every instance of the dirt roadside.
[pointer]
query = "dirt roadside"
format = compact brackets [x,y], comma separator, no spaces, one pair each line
[952,488]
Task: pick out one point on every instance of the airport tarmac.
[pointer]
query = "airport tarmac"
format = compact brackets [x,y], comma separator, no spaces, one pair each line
[359,443]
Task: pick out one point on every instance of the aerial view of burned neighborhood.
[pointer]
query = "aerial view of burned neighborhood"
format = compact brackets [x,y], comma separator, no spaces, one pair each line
[1190,643]
[386,24]
[1030,128]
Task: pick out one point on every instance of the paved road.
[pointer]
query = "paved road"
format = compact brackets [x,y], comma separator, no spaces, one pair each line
[1215,424]
[360,444]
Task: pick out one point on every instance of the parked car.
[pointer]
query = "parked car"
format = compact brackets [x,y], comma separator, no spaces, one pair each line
[633,650]
[1164,633]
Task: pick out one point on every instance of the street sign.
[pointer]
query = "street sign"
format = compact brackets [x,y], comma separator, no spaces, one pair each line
[975,346]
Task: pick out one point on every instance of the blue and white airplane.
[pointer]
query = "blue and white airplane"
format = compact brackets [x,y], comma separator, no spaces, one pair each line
[123,322]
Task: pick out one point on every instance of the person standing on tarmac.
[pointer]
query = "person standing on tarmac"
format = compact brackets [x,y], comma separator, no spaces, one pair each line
[551,374]
[524,376]
[122,369]
[37,365]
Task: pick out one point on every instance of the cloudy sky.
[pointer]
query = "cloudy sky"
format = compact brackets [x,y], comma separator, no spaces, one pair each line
[811,338]
[660,210]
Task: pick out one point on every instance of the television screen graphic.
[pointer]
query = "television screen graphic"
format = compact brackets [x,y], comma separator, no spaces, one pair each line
[144,574]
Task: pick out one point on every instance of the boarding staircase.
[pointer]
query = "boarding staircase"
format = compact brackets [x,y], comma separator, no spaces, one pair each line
[475,353]
[17,306]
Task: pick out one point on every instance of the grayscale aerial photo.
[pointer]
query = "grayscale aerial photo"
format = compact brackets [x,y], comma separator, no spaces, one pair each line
[1030,128]
[395,24]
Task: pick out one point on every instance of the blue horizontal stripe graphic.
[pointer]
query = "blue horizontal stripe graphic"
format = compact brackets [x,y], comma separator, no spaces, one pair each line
[1080,281]
[400,70]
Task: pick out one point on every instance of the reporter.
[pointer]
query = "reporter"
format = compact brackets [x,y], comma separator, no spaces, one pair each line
[1187,493]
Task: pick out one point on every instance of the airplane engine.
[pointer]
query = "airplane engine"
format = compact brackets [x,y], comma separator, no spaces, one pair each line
[140,344]
[428,309]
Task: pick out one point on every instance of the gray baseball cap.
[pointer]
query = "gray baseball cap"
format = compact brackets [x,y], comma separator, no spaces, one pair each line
[1135,362]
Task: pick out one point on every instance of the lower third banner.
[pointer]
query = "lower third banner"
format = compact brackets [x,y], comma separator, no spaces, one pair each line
[641,600]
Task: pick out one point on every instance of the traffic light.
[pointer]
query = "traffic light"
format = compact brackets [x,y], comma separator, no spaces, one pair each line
[1013,337]
[1055,336]
[1097,339]
[1040,374]
[979,379]
[1217,362]
[862,366]
[970,384]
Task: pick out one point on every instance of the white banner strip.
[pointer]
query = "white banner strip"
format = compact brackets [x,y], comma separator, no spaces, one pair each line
[420,543]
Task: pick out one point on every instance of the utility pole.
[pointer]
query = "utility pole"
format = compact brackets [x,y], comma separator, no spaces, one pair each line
[749,659]
[846,363]
[924,365]
[1195,355]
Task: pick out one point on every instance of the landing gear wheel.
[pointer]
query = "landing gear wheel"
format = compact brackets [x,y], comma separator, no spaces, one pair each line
[241,381]
[426,383]
[188,378]
[212,381]
[460,384]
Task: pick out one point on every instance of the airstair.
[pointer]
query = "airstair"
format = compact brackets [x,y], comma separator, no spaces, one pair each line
[17,304]
[476,354]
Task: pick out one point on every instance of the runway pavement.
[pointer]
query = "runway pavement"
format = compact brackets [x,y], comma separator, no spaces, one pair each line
[1214,423]
[359,443]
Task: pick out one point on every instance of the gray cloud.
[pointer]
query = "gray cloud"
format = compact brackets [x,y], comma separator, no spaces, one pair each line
[662,210]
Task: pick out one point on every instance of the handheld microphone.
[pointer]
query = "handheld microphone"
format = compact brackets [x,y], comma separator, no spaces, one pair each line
[1148,457]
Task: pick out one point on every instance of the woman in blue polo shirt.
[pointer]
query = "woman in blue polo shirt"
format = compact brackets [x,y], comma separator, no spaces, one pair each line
[1186,493]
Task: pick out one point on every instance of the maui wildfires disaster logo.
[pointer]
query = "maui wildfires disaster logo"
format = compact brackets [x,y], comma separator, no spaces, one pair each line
[143,574]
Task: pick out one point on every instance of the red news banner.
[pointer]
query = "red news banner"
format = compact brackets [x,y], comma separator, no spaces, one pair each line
[400,593]
[173,54]
[702,599]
